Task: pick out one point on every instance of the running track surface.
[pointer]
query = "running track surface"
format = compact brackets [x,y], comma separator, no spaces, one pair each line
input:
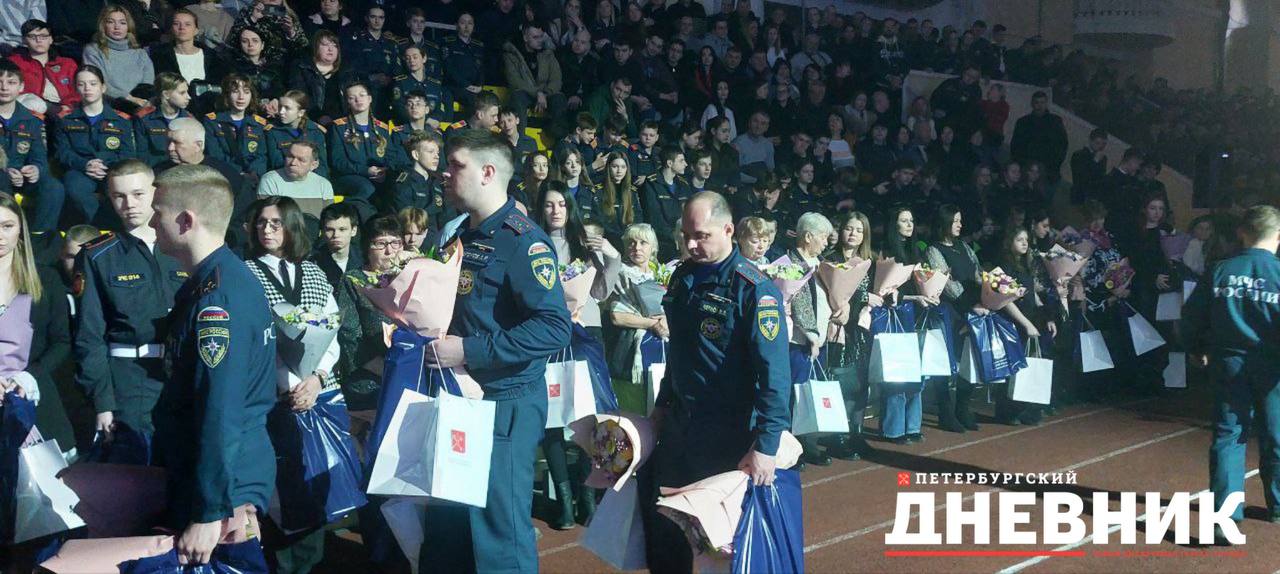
[1156,444]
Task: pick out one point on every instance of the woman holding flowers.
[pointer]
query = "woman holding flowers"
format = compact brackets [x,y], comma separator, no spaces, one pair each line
[949,254]
[1039,310]
[556,211]
[278,247]
[364,346]
[848,361]
[810,313]
[635,309]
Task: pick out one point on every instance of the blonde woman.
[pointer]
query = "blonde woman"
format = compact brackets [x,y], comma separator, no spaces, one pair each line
[755,236]
[115,51]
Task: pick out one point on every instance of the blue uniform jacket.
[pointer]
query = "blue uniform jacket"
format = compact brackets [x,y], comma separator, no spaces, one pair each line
[510,309]
[22,138]
[1235,309]
[211,431]
[77,141]
[244,146]
[353,152]
[438,99]
[412,189]
[368,55]
[463,63]
[153,135]
[728,359]
[279,138]
[125,292]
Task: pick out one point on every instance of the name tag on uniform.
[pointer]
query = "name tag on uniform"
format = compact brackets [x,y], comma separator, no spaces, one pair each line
[127,279]
[477,258]
[159,131]
[110,129]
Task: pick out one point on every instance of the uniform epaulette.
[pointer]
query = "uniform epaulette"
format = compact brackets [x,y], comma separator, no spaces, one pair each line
[519,223]
[123,115]
[322,129]
[340,122]
[749,272]
[98,241]
[477,43]
[404,176]
[144,112]
[402,77]
[380,124]
[65,110]
[259,119]
[681,180]
[211,115]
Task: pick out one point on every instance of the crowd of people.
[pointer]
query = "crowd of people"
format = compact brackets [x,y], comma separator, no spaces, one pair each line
[332,123]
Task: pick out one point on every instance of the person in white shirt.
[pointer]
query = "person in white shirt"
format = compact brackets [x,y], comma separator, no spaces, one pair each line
[297,179]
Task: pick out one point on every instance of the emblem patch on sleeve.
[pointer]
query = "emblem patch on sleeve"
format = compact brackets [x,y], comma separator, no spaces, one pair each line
[544,269]
[212,343]
[769,321]
[213,314]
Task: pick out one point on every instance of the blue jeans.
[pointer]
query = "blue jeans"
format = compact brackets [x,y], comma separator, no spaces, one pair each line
[902,410]
[1245,394]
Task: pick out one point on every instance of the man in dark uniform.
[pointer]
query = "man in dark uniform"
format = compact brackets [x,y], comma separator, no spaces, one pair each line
[661,197]
[422,75]
[464,62]
[220,357]
[644,154]
[373,53]
[420,186]
[510,317]
[125,291]
[1232,323]
[725,399]
[22,137]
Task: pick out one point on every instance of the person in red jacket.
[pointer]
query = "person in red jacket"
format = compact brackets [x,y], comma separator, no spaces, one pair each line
[45,74]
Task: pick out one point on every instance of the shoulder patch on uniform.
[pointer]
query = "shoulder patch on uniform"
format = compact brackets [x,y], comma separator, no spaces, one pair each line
[212,115]
[519,223]
[402,76]
[212,344]
[322,129]
[538,248]
[213,313]
[123,115]
[750,273]
[544,270]
[769,320]
[144,112]
[340,122]
[767,301]
[98,241]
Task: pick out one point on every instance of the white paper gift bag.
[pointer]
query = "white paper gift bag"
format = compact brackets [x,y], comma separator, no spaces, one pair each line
[1187,288]
[895,358]
[438,447]
[1169,306]
[616,533]
[653,384]
[570,395]
[406,517]
[935,361]
[44,503]
[819,407]
[1175,373]
[1094,355]
[969,363]
[1033,383]
[1144,335]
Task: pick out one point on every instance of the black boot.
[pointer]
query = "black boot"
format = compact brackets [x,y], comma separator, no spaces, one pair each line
[812,454]
[586,504]
[564,495]
[845,447]
[947,406]
[964,392]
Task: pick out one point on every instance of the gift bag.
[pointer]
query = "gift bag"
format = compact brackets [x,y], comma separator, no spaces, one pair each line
[895,348]
[616,532]
[935,357]
[653,384]
[1187,288]
[770,534]
[17,417]
[405,518]
[570,394]
[438,447]
[1034,383]
[242,558]
[1169,306]
[995,347]
[44,503]
[118,500]
[318,474]
[1175,373]
[819,405]
[968,365]
[1144,336]
[405,369]
[1094,355]
[587,348]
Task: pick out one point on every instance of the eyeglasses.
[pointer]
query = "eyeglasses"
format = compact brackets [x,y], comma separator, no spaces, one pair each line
[45,36]
[383,244]
[271,224]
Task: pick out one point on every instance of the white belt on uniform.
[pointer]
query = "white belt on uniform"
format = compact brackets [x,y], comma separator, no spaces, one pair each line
[148,351]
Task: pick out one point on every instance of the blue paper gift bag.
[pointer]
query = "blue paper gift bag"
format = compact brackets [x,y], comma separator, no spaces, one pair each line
[996,346]
[900,318]
[770,535]
[318,477]
[243,558]
[403,369]
[584,347]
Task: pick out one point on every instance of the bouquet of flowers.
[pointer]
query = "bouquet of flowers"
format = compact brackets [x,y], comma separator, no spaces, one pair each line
[841,280]
[303,334]
[929,281]
[1174,244]
[890,275]
[410,291]
[999,289]
[1076,241]
[576,279]
[1063,264]
[617,444]
[789,278]
[648,294]
[1118,276]
[662,272]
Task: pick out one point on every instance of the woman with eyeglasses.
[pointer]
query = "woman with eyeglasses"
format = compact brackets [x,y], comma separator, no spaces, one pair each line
[361,337]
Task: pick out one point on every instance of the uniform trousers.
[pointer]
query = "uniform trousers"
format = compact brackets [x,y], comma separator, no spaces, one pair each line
[1246,398]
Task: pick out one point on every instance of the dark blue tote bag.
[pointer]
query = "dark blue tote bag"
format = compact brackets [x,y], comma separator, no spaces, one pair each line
[770,535]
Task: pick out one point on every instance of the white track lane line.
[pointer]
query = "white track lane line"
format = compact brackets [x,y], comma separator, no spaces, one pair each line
[1116,528]
[864,531]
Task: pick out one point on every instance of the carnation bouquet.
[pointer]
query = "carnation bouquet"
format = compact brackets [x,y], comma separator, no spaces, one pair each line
[576,278]
[999,289]
[1118,276]
[617,444]
[1063,264]
[410,291]
[303,334]
[929,281]
[1076,241]
[841,280]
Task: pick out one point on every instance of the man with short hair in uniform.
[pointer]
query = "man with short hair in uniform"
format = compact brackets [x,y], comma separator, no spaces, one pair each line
[125,290]
[1232,325]
[726,397]
[211,421]
[509,318]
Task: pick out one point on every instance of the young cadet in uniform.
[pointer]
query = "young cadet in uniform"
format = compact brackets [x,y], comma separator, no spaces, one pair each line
[726,397]
[464,62]
[1232,323]
[661,198]
[582,139]
[220,359]
[422,75]
[421,186]
[700,172]
[88,139]
[22,138]
[292,125]
[509,318]
[171,101]
[644,154]
[236,135]
[415,105]
[521,145]
[125,290]
[361,148]
[484,114]
[372,53]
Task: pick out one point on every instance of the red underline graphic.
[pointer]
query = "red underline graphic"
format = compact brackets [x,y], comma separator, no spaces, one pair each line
[978,553]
